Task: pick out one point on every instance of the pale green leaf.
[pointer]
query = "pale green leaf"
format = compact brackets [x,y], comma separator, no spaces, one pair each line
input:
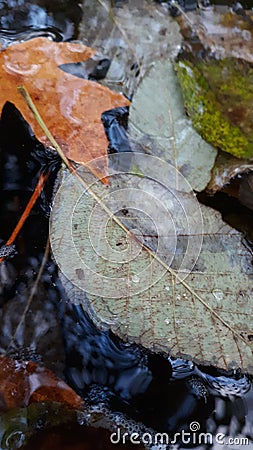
[186,297]
[159,123]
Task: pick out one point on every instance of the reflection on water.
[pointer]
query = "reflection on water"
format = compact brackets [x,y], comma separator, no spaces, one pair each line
[39,17]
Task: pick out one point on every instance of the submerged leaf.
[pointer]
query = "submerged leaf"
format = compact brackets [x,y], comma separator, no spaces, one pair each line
[70,106]
[22,383]
[159,124]
[170,284]
[224,32]
[133,34]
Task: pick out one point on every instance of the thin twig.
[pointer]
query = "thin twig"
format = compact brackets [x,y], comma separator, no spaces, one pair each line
[24,92]
[31,296]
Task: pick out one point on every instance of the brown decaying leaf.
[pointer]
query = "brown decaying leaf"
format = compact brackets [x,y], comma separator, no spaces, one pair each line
[70,106]
[22,383]
[224,32]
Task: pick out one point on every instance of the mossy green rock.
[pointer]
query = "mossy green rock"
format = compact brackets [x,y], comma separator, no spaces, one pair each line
[218,97]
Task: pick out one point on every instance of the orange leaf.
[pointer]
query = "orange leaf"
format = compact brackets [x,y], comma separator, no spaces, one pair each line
[22,383]
[71,107]
[37,191]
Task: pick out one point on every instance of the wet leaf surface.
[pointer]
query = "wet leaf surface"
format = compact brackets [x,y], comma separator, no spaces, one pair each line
[159,125]
[191,300]
[76,126]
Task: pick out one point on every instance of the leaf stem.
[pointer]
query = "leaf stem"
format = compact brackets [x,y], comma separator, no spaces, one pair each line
[31,296]
[25,94]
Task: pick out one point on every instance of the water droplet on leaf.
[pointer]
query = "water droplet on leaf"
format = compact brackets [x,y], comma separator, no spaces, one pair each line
[135,279]
[218,294]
